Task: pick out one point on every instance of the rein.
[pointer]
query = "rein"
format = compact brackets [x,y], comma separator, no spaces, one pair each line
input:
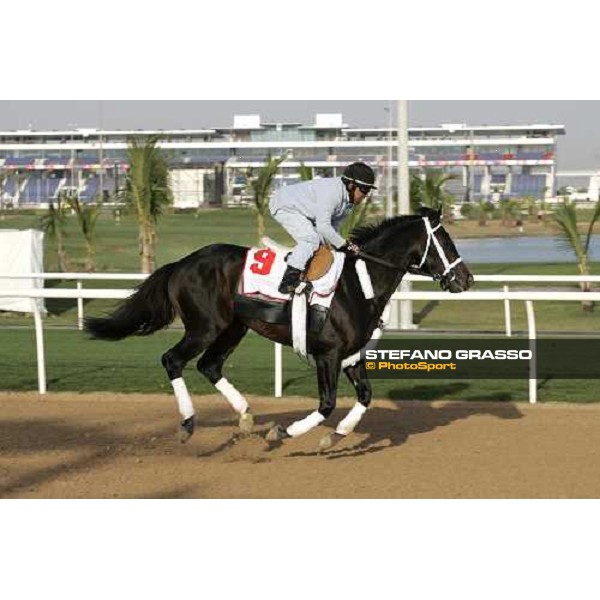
[378,261]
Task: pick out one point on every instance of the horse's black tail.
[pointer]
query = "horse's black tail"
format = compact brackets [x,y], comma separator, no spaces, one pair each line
[146,311]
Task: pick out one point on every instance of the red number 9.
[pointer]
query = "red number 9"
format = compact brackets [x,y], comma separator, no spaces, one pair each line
[264,260]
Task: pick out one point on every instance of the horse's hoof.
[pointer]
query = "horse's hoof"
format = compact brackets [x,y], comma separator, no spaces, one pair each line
[186,429]
[246,423]
[330,440]
[277,433]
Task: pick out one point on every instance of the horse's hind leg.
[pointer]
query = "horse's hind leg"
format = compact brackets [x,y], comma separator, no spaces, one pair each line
[211,366]
[174,361]
[357,374]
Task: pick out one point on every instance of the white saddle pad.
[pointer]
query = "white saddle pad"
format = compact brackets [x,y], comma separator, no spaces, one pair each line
[264,269]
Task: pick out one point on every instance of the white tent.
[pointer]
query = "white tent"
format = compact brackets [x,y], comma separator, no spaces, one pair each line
[21,252]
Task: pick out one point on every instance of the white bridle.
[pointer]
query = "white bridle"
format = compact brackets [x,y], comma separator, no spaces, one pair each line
[448,266]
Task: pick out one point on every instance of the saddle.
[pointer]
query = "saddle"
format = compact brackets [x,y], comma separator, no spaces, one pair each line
[257,295]
[320,263]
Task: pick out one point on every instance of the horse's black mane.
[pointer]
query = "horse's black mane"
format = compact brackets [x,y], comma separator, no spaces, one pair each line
[365,233]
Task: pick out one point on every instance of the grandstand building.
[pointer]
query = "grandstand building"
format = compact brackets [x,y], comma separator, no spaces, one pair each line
[211,166]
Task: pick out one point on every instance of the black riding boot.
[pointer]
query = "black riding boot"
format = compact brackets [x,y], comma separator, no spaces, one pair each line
[290,280]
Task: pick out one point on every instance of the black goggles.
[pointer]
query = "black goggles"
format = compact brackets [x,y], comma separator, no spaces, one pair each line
[365,189]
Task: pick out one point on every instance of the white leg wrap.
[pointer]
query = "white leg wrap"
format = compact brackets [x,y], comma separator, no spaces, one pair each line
[184,402]
[350,421]
[237,401]
[351,360]
[306,424]
[299,324]
[365,279]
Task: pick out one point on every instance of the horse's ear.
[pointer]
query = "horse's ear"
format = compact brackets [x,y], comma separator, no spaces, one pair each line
[439,214]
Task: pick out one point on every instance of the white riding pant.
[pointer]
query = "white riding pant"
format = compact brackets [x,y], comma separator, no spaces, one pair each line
[304,233]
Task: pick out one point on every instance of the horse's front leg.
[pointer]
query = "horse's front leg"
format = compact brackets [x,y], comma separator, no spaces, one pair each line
[357,374]
[328,372]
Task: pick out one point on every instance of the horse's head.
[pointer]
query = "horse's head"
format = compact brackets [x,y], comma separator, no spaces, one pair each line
[439,257]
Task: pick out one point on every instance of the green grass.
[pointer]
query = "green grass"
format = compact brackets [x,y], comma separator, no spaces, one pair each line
[489,316]
[76,363]
[435,315]
[178,235]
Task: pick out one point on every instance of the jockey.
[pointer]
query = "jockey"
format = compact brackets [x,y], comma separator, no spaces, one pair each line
[312,212]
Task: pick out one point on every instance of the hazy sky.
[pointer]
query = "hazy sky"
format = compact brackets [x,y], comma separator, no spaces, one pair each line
[578,149]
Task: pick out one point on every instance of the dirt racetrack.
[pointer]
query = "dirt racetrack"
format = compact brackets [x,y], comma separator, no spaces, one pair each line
[125,446]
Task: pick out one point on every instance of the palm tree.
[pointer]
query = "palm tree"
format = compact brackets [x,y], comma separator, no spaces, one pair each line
[147,190]
[87,215]
[53,223]
[358,216]
[430,192]
[509,210]
[528,206]
[306,173]
[261,188]
[566,219]
[485,210]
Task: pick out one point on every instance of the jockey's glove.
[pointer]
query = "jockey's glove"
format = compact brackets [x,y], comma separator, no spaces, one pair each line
[350,248]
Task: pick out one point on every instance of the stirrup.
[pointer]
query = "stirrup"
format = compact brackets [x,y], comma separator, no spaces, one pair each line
[289,288]
[290,281]
[301,287]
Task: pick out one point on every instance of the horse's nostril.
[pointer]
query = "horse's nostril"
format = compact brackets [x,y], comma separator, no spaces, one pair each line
[470,280]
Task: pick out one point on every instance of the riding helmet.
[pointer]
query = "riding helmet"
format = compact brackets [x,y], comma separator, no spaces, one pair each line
[360,173]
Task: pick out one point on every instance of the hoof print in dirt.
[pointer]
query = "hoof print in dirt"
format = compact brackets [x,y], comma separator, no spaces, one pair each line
[330,440]
[277,434]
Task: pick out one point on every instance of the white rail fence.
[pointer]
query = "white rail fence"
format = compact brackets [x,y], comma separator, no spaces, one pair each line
[505,296]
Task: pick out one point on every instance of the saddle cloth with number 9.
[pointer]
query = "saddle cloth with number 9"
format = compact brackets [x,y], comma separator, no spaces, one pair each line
[264,269]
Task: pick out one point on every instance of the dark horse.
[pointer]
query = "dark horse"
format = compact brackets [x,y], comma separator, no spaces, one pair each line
[201,287]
